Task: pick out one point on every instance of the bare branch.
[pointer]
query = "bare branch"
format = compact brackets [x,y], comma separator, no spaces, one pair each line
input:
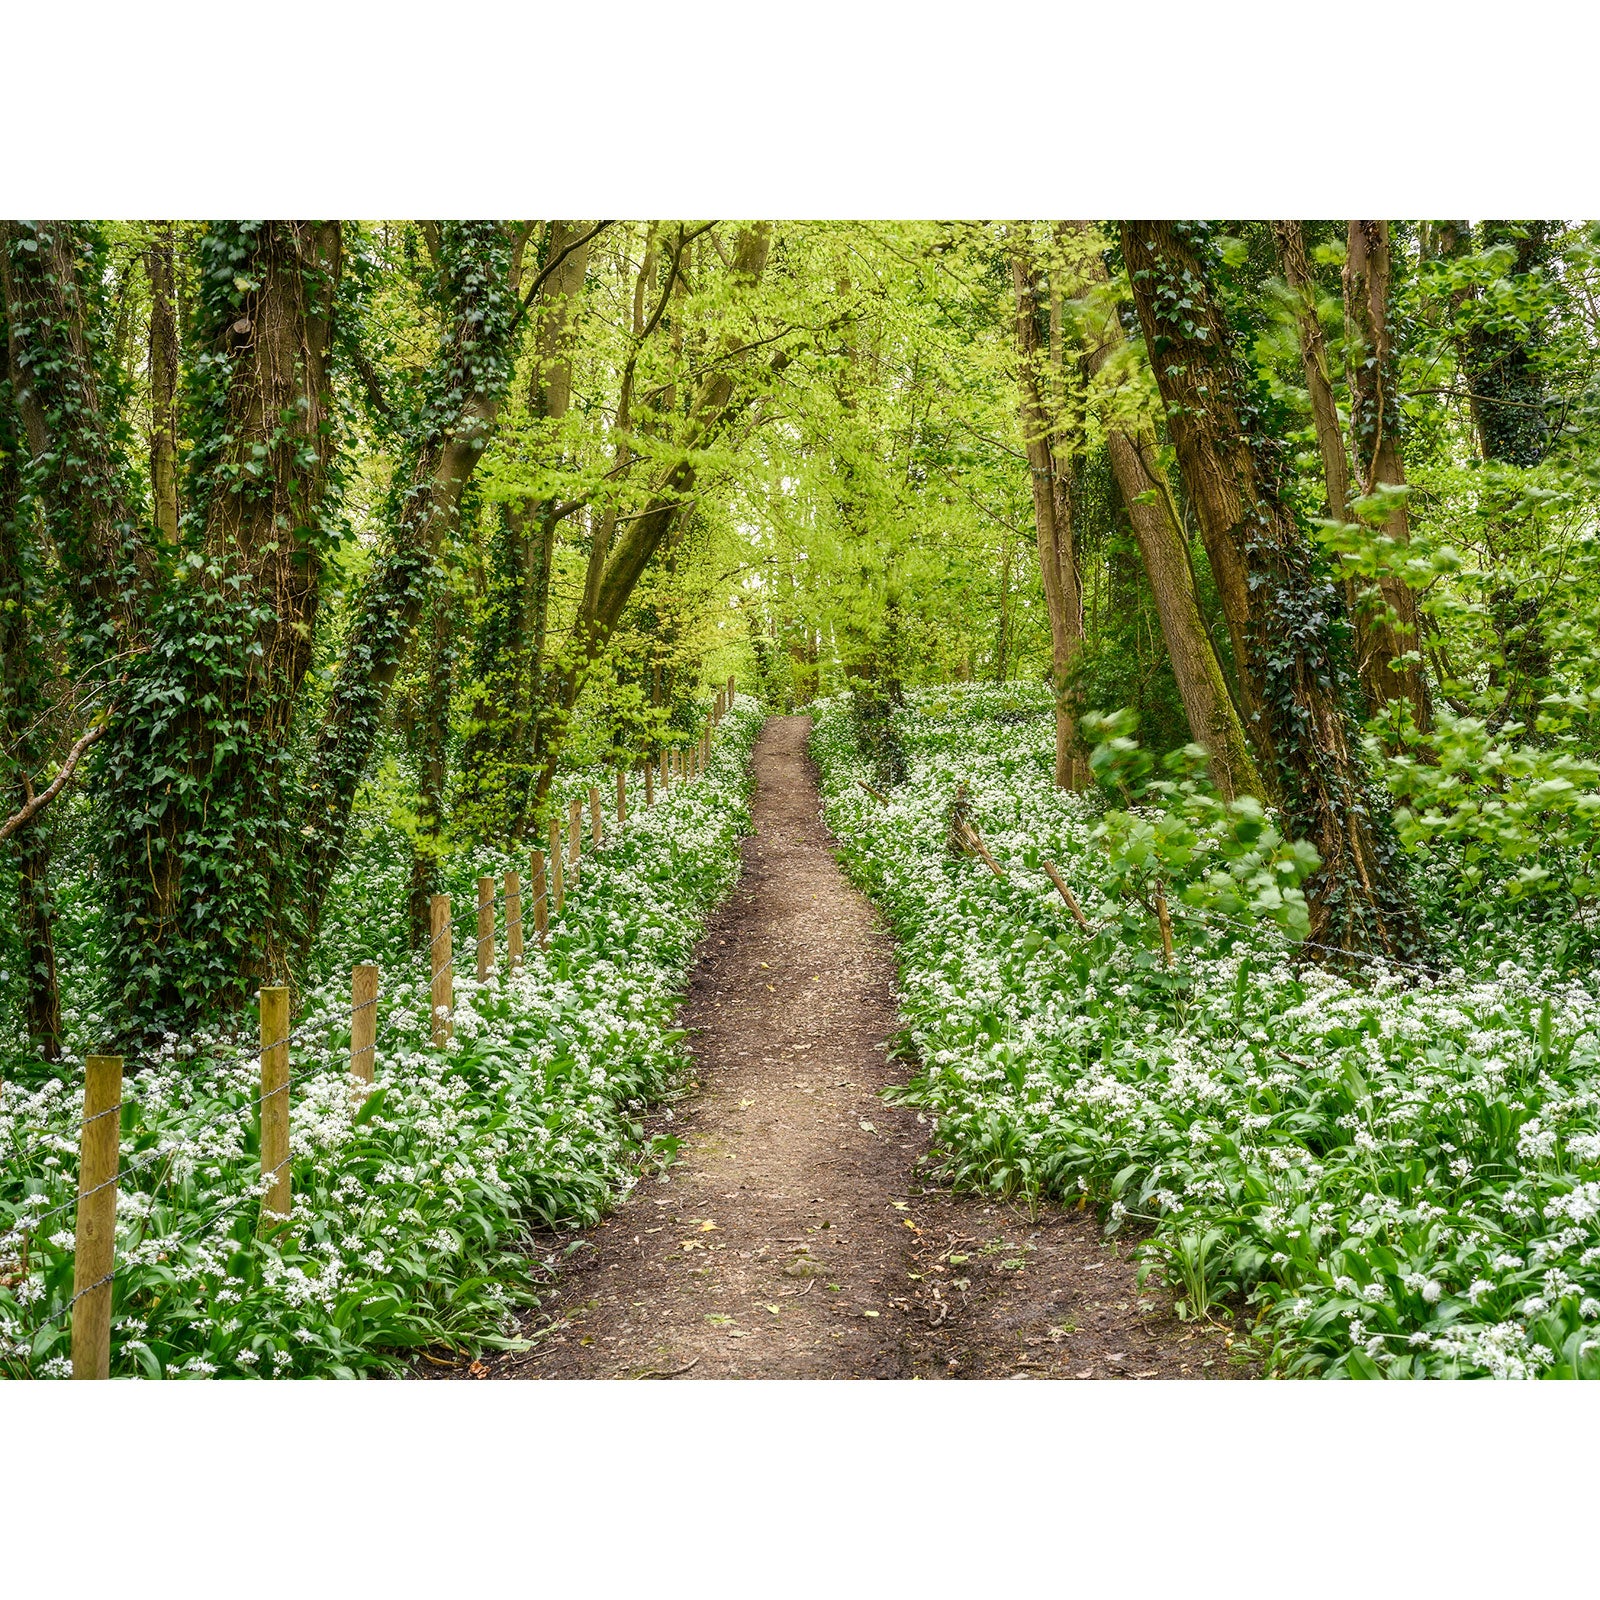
[45,796]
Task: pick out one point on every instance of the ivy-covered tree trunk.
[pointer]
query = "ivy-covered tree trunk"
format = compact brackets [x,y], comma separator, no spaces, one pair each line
[25,730]
[465,394]
[498,758]
[1295,264]
[1385,614]
[1282,611]
[1052,512]
[200,777]
[161,261]
[427,734]
[1202,685]
[49,271]
[1510,401]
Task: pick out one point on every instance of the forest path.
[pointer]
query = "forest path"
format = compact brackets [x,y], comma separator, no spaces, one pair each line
[794,1237]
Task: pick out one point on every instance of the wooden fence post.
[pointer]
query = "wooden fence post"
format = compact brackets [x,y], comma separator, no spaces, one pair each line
[94,1254]
[1164,919]
[513,920]
[557,884]
[622,797]
[574,838]
[541,899]
[275,1099]
[649,781]
[485,928]
[363,1024]
[731,690]
[443,989]
[594,816]
[666,770]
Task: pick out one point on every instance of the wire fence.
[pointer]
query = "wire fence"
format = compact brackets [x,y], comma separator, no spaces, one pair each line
[27,1228]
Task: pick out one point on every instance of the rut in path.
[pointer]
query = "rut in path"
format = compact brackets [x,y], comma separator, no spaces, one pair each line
[796,1236]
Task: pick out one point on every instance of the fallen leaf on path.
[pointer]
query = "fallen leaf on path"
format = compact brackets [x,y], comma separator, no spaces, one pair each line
[717,1320]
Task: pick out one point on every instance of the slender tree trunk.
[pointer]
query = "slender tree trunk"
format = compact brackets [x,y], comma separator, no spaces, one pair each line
[1280,611]
[1052,514]
[25,736]
[429,736]
[1202,685]
[714,405]
[1386,617]
[1002,649]
[36,933]
[498,758]
[1296,265]
[161,265]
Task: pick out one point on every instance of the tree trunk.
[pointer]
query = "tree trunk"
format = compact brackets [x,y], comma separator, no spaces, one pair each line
[163,383]
[1281,612]
[713,407]
[106,561]
[36,934]
[498,756]
[1202,685]
[1386,619]
[428,736]
[1509,395]
[25,735]
[1296,265]
[466,392]
[1052,515]
[198,774]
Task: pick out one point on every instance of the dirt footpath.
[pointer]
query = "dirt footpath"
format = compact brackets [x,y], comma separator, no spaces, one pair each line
[795,1236]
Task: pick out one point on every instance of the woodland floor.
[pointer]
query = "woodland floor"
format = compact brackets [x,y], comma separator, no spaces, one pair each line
[799,1234]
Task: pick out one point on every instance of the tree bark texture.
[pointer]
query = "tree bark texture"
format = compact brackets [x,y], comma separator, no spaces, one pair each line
[1202,685]
[198,769]
[1297,274]
[26,732]
[1282,613]
[1385,615]
[499,755]
[467,390]
[164,358]
[716,402]
[105,556]
[1051,477]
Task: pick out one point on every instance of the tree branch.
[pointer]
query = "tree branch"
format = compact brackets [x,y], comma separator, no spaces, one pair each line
[544,277]
[44,797]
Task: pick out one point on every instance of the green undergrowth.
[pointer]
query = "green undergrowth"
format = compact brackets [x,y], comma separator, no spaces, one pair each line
[1388,1173]
[413,1209]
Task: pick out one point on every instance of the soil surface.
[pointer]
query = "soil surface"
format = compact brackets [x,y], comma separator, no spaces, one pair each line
[800,1233]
